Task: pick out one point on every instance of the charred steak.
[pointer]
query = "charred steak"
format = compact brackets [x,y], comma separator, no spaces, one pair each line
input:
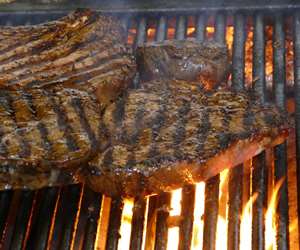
[68,115]
[83,50]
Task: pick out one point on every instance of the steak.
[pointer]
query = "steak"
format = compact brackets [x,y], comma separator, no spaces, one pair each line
[171,132]
[45,135]
[83,50]
[190,60]
[68,114]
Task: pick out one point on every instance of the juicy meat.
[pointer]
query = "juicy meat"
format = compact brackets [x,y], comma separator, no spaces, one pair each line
[45,135]
[83,50]
[171,133]
[204,62]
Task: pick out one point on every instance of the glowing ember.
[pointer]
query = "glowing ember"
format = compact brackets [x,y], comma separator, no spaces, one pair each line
[270,227]
[125,229]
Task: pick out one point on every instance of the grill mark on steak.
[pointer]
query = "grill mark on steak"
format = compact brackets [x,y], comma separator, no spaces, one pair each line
[134,139]
[47,145]
[179,134]
[110,66]
[203,129]
[62,122]
[24,146]
[77,105]
[66,71]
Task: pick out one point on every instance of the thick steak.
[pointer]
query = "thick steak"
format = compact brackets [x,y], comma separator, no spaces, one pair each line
[171,133]
[204,62]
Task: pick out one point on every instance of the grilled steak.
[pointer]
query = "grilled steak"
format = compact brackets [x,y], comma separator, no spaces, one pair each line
[171,132]
[67,114]
[190,60]
[43,131]
[83,50]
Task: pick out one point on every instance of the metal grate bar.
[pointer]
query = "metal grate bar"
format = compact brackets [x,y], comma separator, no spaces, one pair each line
[161,234]
[11,218]
[258,75]
[181,24]
[220,28]
[114,224]
[280,150]
[5,199]
[161,31]
[187,215]
[141,31]
[211,209]
[259,187]
[297,99]
[43,212]
[238,53]
[200,27]
[22,219]
[151,219]
[235,203]
[65,218]
[260,171]
[92,203]
[138,218]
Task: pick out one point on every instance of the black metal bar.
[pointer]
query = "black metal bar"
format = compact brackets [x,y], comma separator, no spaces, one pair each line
[161,31]
[259,187]
[137,224]
[259,168]
[22,219]
[161,237]
[94,201]
[69,215]
[200,27]
[235,205]
[151,226]
[220,25]
[282,235]
[11,218]
[46,199]
[141,31]
[187,213]
[297,100]
[238,54]
[181,25]
[258,73]
[114,224]
[211,209]
[5,199]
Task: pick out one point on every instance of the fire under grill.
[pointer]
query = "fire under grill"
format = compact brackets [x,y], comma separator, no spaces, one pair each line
[252,206]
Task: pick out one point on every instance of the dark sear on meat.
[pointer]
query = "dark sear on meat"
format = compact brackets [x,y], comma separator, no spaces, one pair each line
[86,125]
[206,62]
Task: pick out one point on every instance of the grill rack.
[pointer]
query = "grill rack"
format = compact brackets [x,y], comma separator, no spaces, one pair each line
[36,219]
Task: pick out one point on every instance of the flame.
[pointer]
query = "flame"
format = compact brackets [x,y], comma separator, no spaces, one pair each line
[270,227]
[125,229]
[246,224]
[221,237]
[197,241]
[175,209]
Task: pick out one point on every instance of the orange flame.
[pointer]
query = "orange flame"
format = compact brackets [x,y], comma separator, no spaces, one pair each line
[270,227]
[197,240]
[175,209]
[125,229]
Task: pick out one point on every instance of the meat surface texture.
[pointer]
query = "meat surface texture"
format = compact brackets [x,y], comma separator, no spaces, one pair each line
[68,114]
[170,133]
[189,60]
[83,50]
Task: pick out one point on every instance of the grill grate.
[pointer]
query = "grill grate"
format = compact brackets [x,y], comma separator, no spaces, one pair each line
[73,218]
